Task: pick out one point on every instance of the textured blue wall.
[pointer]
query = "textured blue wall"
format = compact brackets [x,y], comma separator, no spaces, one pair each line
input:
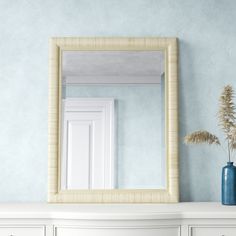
[207,33]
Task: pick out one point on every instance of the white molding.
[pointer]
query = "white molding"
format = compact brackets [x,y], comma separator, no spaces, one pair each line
[212,227]
[86,80]
[26,229]
[181,211]
[124,227]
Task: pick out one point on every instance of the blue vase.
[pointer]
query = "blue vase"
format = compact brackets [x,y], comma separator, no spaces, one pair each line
[228,187]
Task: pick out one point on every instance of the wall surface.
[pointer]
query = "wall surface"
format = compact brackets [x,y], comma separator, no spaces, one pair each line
[207,34]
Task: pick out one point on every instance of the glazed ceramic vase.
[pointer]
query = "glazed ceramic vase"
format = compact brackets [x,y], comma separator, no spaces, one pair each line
[228,187]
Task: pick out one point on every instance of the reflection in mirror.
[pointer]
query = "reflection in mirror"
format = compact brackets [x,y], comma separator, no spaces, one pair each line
[113,120]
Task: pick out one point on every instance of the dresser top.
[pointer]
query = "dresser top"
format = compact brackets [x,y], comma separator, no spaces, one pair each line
[117,211]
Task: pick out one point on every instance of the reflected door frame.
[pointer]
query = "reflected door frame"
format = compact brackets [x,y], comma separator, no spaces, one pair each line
[88,158]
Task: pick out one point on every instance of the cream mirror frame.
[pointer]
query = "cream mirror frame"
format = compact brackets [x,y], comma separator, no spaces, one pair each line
[171,193]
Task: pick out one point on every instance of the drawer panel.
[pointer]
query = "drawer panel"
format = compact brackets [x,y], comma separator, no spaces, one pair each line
[213,230]
[163,231]
[22,231]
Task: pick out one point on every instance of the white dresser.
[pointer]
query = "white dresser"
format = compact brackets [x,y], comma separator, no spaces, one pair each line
[185,219]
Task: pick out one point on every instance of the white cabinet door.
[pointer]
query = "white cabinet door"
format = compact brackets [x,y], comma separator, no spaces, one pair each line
[22,231]
[213,231]
[163,231]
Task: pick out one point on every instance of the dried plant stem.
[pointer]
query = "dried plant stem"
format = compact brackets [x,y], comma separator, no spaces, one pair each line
[229,154]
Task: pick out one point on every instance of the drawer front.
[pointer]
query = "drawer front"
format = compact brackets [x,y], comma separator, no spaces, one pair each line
[164,231]
[22,231]
[213,231]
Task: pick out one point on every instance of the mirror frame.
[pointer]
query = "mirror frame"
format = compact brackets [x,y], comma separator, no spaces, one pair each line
[171,194]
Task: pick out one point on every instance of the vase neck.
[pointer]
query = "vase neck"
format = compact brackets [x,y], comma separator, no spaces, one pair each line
[230,163]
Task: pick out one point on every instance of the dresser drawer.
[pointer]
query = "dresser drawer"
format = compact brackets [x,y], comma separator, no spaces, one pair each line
[73,231]
[22,231]
[213,231]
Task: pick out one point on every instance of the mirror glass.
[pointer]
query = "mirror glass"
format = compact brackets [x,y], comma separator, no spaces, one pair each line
[112,128]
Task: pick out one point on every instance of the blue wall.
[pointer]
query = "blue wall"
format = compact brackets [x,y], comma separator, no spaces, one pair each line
[207,33]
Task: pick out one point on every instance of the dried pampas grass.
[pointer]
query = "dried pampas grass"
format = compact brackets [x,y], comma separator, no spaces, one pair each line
[227,111]
[227,121]
[201,137]
[233,138]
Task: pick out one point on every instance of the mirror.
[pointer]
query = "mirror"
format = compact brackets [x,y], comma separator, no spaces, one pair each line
[133,154]
[114,120]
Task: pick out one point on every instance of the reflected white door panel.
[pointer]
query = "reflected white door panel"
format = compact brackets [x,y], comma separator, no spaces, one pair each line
[87,150]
